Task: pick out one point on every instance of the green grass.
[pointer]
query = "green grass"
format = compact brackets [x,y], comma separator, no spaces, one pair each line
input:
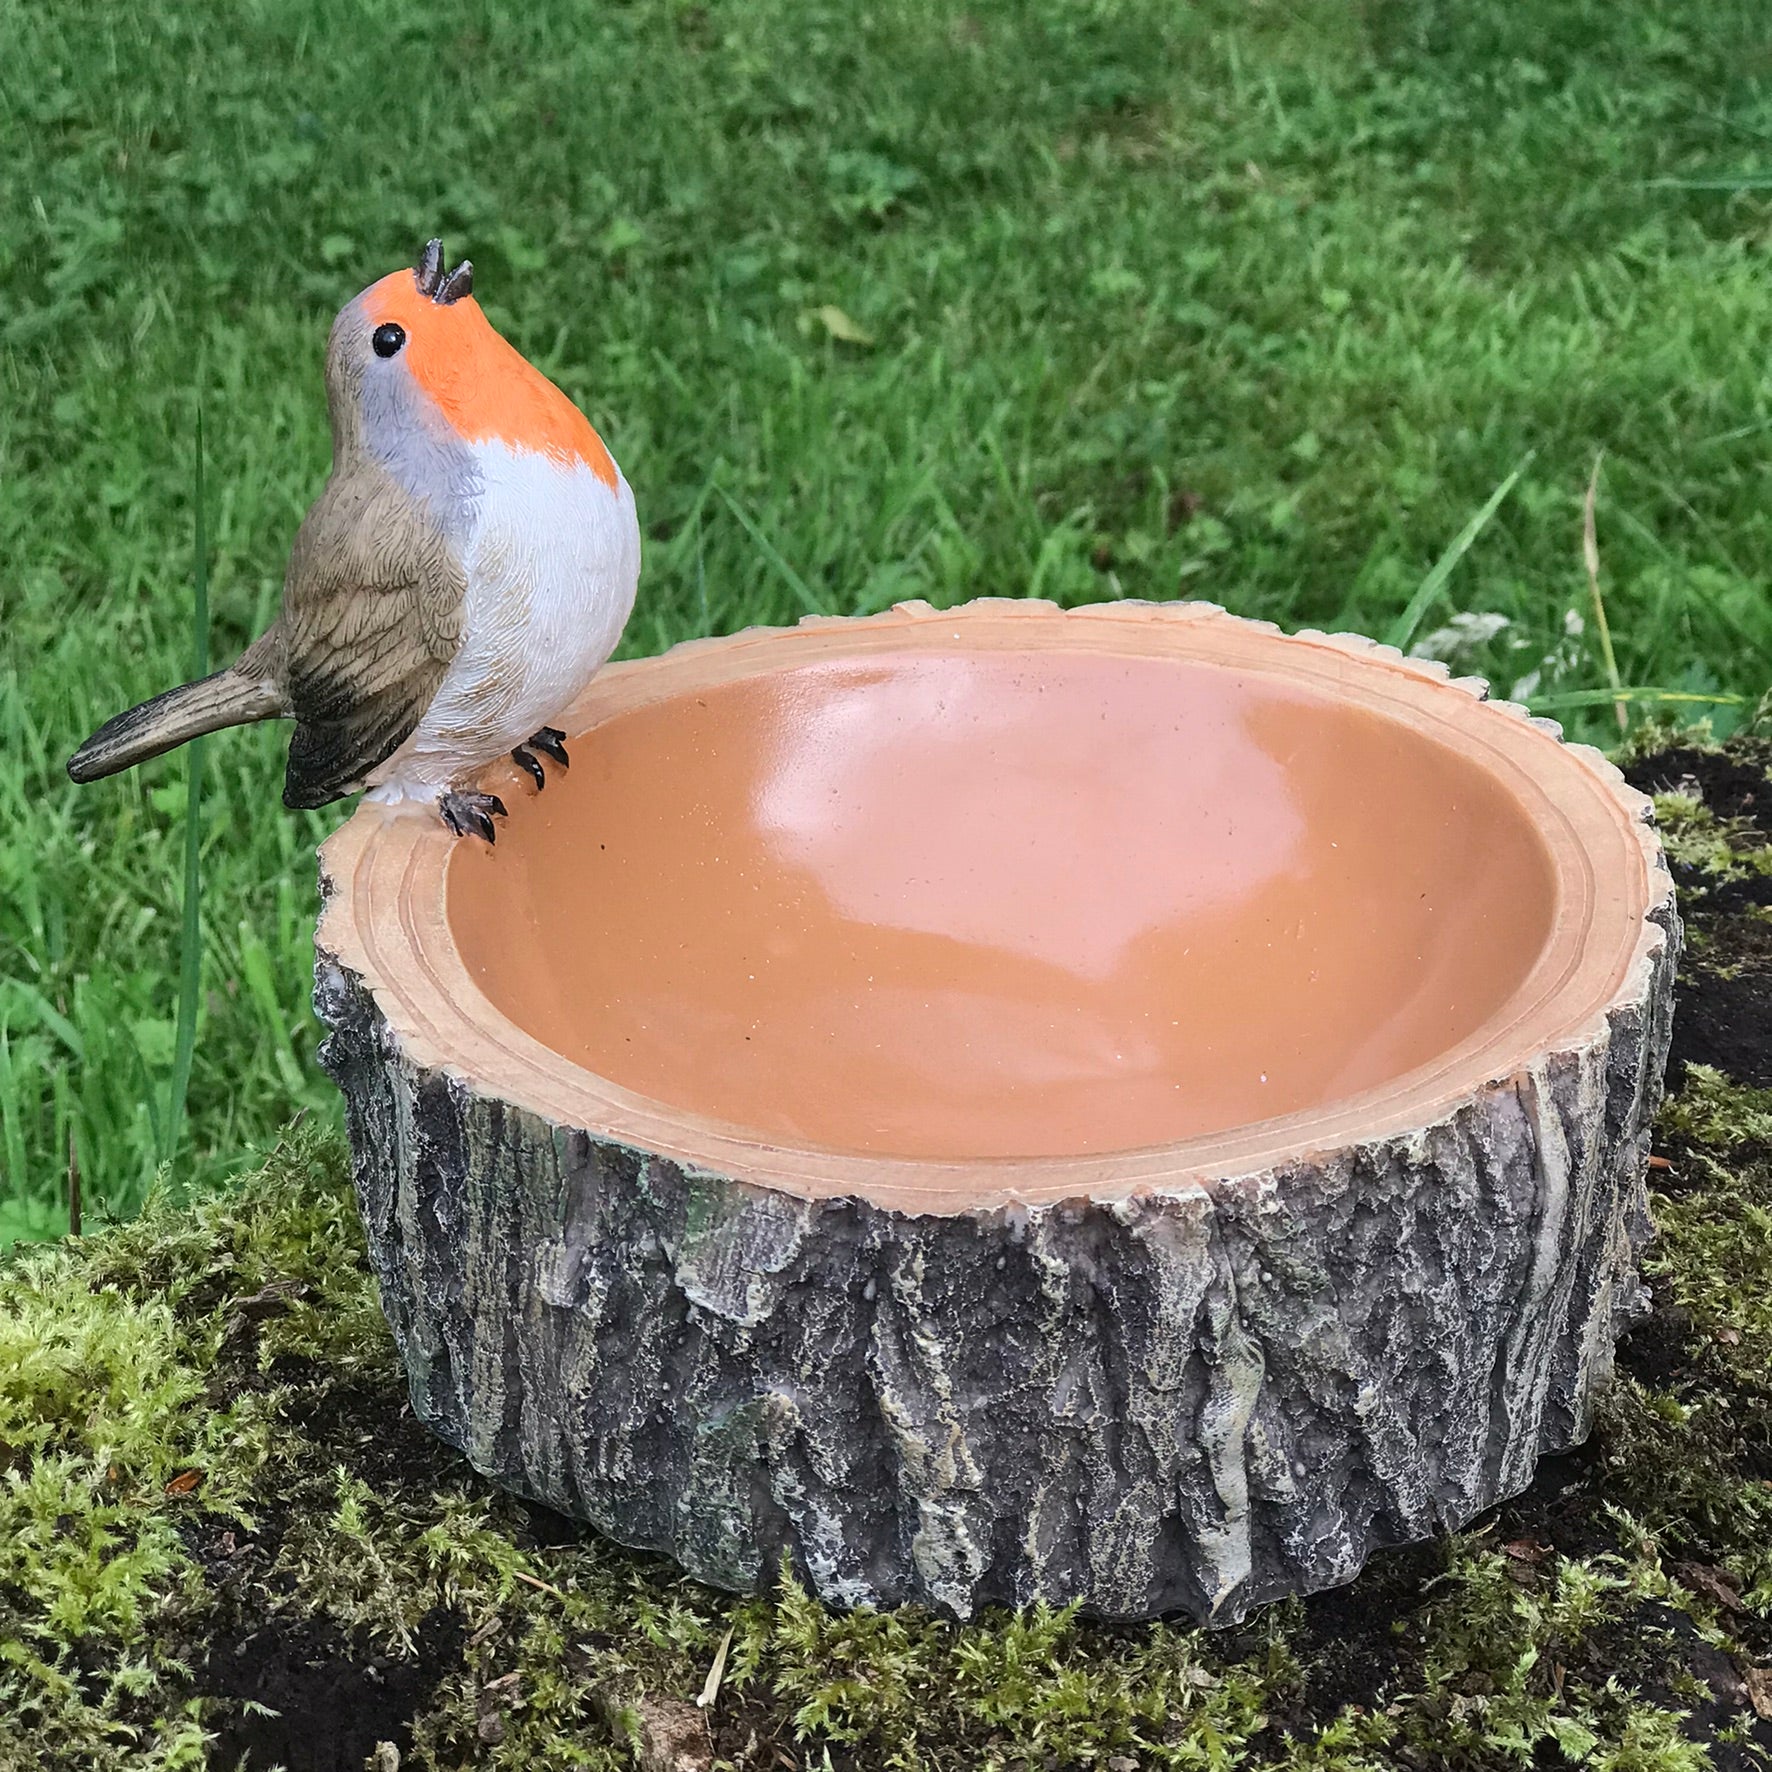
[1258,303]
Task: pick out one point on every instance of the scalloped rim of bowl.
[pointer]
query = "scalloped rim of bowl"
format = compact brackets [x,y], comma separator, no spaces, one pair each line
[384,877]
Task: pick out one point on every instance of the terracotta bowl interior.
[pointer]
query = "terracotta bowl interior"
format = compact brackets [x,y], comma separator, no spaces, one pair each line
[956,904]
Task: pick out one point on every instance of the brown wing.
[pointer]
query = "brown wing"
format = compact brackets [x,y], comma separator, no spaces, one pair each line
[372,611]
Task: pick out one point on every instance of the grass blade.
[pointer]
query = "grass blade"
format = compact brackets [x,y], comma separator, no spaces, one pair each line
[1403,629]
[711,1689]
[149,1102]
[16,990]
[190,960]
[701,577]
[767,549]
[1590,556]
[12,1138]
[1598,698]
[1738,181]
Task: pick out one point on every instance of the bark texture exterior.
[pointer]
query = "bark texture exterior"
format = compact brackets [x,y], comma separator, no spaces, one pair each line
[1198,1401]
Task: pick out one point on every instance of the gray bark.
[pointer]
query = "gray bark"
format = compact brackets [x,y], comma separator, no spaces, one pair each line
[1188,1402]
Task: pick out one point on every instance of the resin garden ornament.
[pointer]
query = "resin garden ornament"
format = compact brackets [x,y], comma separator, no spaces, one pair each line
[467,569]
[996,1105]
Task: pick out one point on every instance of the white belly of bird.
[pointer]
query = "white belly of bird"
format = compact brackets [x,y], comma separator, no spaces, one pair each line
[553,558]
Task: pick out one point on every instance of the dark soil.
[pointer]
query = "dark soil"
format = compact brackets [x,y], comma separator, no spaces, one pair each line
[1354,1645]
[543,1529]
[368,1426]
[1563,1511]
[328,1696]
[1733,783]
[1660,1349]
[334,1698]
[1722,1015]
[1725,1023]
[1657,1653]
[232,1555]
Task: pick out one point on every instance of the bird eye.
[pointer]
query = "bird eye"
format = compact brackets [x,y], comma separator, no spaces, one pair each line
[388,339]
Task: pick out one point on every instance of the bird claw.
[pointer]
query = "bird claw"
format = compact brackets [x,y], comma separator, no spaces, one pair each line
[551,742]
[472,814]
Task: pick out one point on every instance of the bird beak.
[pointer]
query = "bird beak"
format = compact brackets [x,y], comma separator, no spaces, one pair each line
[458,283]
[428,272]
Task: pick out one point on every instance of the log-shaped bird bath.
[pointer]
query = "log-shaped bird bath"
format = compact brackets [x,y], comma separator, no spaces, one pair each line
[1121,1105]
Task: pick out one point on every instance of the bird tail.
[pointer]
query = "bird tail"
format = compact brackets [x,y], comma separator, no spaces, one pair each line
[226,699]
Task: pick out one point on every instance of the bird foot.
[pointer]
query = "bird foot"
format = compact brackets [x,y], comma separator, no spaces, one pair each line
[551,742]
[472,814]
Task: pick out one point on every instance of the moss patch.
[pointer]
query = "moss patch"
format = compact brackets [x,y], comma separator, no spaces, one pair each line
[224,1540]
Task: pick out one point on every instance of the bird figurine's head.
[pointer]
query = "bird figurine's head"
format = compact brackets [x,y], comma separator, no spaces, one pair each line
[414,354]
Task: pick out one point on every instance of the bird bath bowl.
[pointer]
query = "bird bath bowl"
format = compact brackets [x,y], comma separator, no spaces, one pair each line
[1120,1105]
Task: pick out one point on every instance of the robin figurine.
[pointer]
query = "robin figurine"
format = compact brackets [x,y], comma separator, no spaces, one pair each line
[467,569]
